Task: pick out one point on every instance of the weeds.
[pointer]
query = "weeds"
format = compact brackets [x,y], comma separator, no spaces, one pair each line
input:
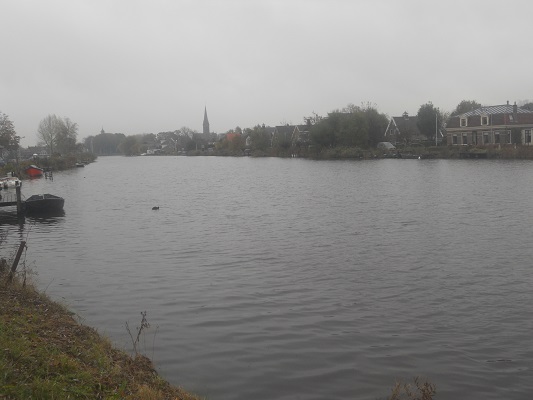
[144,325]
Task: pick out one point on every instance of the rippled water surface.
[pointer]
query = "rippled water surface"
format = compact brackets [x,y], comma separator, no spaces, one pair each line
[289,278]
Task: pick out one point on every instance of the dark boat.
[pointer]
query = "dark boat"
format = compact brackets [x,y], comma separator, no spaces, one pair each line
[34,171]
[44,203]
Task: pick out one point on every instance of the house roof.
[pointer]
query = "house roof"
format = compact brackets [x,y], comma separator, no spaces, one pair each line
[286,129]
[303,128]
[406,124]
[491,110]
[500,115]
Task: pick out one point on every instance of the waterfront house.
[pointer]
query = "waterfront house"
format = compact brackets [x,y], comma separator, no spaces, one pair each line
[282,136]
[403,129]
[489,125]
[291,135]
[301,135]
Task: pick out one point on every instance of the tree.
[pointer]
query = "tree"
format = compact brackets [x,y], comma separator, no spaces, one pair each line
[48,131]
[465,106]
[66,137]
[377,124]
[8,137]
[104,143]
[526,105]
[429,120]
[260,138]
[130,145]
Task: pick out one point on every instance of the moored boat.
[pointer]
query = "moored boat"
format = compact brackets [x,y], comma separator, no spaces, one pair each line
[9,182]
[44,203]
[34,171]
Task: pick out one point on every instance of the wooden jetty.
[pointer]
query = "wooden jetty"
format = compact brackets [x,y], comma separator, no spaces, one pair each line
[10,199]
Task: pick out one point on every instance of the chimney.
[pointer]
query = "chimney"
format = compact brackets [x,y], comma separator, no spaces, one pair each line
[515,112]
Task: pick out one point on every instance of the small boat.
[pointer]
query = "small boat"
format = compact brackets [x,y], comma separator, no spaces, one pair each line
[44,203]
[9,182]
[34,171]
[80,165]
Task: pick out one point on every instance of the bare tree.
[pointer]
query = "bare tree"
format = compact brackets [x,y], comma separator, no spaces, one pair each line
[48,131]
[66,138]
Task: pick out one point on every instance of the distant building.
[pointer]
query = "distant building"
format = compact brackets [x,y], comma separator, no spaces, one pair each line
[206,123]
[502,124]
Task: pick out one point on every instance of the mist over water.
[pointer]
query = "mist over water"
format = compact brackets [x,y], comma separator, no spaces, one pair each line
[287,278]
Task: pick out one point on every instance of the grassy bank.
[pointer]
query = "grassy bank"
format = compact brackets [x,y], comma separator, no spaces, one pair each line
[46,354]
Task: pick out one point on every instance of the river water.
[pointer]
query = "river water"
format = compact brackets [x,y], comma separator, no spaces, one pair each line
[297,279]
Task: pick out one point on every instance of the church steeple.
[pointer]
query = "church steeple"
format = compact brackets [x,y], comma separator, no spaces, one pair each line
[206,122]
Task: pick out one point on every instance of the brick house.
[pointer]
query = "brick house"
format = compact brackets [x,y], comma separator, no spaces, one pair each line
[503,124]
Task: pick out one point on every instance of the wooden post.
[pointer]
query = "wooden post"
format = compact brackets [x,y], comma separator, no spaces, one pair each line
[17,259]
[20,208]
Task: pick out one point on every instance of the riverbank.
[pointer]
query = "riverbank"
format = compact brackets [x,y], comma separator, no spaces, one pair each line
[56,163]
[46,353]
[504,152]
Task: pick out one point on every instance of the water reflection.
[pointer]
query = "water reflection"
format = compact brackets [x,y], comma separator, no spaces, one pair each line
[46,217]
[15,228]
[11,218]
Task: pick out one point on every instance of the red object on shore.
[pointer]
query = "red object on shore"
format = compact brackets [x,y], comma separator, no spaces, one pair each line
[33,171]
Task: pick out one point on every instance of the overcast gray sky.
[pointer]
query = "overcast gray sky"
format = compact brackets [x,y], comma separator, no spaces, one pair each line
[135,66]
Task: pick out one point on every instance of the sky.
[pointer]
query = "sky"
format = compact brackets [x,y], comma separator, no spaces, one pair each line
[149,66]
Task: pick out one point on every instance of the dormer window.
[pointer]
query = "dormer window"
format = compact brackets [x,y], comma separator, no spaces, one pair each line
[484,120]
[463,122]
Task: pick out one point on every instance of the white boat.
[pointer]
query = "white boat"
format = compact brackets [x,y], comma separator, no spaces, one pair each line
[9,182]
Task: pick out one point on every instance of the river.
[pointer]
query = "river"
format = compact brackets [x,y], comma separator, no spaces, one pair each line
[296,279]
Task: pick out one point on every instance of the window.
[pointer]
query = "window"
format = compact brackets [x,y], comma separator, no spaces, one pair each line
[454,139]
[463,122]
[527,136]
[484,120]
[485,138]
[474,137]
[465,138]
[496,137]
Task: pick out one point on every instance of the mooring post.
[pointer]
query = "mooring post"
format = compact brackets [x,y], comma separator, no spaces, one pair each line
[17,259]
[20,209]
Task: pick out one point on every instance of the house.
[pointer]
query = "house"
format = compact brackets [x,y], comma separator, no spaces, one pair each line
[282,136]
[301,134]
[403,129]
[502,124]
[291,135]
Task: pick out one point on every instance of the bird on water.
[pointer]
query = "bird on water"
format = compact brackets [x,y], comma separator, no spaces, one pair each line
[155,208]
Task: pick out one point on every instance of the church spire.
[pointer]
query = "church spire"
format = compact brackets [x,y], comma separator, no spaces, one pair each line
[206,122]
